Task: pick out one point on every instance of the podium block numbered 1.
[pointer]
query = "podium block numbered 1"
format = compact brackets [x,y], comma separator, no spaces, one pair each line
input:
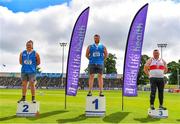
[95,106]
[158,113]
[26,109]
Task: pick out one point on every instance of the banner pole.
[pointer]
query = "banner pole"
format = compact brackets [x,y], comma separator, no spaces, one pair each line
[122,97]
[65,103]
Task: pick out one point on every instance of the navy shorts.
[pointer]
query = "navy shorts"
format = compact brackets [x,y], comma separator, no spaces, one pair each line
[28,77]
[96,68]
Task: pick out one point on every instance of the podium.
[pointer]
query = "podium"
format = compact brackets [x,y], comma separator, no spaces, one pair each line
[95,106]
[158,113]
[27,109]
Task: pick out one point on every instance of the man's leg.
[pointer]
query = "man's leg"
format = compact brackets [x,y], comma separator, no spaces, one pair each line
[91,82]
[100,79]
[153,92]
[160,85]
[32,78]
[24,87]
[91,68]
[100,83]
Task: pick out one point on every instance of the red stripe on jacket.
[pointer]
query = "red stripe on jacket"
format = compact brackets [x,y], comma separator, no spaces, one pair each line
[161,67]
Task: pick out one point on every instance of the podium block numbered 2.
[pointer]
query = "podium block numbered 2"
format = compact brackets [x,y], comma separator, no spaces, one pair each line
[95,106]
[26,109]
[158,113]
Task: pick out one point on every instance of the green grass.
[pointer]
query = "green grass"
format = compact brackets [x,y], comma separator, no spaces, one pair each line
[52,108]
[171,86]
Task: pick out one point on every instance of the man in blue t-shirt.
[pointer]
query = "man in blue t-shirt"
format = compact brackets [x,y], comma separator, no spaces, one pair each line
[96,53]
[29,59]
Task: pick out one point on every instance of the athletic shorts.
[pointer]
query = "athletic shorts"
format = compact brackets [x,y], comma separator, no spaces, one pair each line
[96,68]
[28,77]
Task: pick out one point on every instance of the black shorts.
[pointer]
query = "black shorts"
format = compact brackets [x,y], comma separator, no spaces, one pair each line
[28,77]
[96,68]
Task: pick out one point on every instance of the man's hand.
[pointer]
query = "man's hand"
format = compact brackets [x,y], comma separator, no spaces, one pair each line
[146,70]
[166,70]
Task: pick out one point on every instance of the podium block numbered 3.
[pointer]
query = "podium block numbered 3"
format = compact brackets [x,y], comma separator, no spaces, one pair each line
[95,106]
[158,113]
[26,109]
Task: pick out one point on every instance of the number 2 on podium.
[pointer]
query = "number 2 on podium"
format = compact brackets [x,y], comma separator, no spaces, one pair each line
[25,108]
[96,103]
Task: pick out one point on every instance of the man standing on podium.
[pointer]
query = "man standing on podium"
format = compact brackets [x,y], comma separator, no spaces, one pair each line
[96,53]
[155,68]
[29,59]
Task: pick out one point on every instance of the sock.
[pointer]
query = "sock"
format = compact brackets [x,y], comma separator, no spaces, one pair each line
[152,105]
[33,97]
[23,97]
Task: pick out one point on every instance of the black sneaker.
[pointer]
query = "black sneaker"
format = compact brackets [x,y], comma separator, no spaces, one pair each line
[101,94]
[21,100]
[89,94]
[33,101]
[152,107]
[162,108]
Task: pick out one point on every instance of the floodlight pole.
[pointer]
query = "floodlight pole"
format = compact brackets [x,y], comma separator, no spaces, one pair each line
[62,44]
[178,82]
[162,45]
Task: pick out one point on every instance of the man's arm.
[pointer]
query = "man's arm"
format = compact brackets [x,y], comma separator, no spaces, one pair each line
[166,68]
[87,53]
[38,61]
[146,70]
[20,58]
[146,67]
[105,53]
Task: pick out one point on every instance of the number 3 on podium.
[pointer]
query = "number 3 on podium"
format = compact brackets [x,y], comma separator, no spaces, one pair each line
[160,113]
[25,108]
[96,103]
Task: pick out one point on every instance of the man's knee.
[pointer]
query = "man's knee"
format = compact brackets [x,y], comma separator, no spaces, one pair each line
[24,84]
[100,75]
[160,93]
[91,76]
[32,84]
[153,93]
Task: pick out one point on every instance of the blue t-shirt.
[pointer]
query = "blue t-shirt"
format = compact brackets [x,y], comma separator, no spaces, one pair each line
[28,62]
[96,54]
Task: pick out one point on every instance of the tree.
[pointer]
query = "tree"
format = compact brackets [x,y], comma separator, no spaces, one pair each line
[110,64]
[142,77]
[172,71]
